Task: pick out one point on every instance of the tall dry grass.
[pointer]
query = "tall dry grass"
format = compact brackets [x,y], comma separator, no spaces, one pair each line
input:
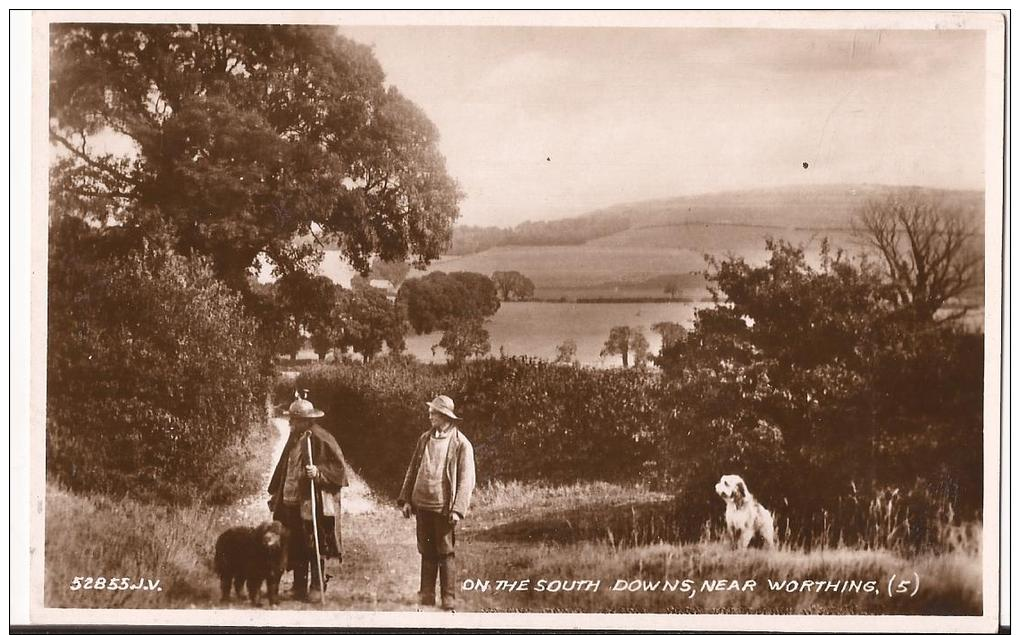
[96,535]
[600,531]
[950,583]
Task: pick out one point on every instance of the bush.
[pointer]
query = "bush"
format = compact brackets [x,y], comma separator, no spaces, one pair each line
[155,378]
[527,419]
[534,422]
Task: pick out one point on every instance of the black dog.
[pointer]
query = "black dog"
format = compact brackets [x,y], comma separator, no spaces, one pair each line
[247,556]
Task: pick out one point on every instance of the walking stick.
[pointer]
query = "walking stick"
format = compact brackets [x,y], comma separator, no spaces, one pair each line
[315,527]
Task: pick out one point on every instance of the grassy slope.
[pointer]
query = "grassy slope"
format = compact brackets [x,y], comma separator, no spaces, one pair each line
[100,536]
[671,236]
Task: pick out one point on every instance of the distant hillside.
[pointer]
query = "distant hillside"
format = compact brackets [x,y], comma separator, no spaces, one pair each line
[773,210]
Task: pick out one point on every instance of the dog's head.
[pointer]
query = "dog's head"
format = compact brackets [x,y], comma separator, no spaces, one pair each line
[271,536]
[731,488]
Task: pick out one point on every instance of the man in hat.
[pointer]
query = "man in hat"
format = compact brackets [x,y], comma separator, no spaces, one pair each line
[290,492]
[437,490]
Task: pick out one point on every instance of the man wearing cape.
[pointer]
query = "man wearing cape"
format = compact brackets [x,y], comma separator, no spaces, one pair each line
[290,497]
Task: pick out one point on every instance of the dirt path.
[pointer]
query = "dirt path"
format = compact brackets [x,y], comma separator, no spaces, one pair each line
[380,568]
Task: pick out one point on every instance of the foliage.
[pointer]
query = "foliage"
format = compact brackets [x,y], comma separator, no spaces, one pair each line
[568,231]
[566,353]
[928,250]
[673,287]
[245,137]
[513,285]
[812,372]
[629,343]
[463,339]
[670,332]
[153,371]
[279,330]
[393,272]
[528,420]
[435,301]
[369,320]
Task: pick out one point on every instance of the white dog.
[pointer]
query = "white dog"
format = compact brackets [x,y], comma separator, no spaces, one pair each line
[745,517]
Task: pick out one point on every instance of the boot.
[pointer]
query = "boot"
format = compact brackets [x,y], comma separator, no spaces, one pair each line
[299,590]
[448,582]
[427,590]
[315,592]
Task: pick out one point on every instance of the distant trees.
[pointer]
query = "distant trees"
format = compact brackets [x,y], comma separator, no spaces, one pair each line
[567,231]
[361,319]
[464,338]
[566,352]
[928,251]
[672,288]
[629,343]
[670,332]
[513,285]
[368,320]
[439,299]
[308,303]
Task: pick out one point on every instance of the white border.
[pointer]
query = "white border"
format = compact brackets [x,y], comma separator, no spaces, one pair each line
[992,23]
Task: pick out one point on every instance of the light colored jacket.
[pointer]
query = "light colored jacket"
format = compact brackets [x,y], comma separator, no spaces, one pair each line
[458,476]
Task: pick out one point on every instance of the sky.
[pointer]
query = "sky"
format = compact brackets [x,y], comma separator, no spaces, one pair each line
[539,123]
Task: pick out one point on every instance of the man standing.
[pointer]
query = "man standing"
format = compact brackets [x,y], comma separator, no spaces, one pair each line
[437,490]
[291,502]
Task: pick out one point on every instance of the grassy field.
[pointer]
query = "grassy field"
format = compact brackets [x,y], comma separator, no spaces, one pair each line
[541,534]
[516,532]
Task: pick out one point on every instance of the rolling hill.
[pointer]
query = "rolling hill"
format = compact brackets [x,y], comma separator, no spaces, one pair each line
[621,251]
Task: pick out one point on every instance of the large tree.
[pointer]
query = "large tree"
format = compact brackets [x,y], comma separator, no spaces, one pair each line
[437,300]
[369,320]
[245,140]
[931,253]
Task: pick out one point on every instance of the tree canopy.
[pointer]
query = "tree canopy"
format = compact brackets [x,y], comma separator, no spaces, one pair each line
[629,343]
[435,301]
[369,320]
[513,285]
[245,139]
[803,365]
[463,338]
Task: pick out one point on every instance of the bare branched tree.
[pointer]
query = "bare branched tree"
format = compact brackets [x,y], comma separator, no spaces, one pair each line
[928,251]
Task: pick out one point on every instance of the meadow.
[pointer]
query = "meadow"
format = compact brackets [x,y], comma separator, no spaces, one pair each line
[516,532]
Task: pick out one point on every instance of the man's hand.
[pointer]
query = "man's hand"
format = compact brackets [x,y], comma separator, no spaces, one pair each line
[454,518]
[407,510]
[311,472]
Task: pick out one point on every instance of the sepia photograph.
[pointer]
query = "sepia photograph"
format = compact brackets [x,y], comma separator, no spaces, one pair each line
[660,320]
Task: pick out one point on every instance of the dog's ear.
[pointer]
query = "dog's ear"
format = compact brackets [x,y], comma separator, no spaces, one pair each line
[741,490]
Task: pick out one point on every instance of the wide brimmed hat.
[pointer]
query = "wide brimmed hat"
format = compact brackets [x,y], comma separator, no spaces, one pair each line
[443,404]
[303,409]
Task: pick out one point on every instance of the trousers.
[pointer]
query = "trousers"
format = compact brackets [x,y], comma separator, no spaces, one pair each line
[436,541]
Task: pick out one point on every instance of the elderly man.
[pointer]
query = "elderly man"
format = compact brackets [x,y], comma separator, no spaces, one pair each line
[291,502]
[437,490]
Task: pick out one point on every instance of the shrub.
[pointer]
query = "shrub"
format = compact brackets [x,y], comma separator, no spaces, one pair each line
[527,419]
[532,421]
[155,378]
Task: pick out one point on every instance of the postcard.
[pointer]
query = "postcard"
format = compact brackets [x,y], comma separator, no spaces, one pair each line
[644,319]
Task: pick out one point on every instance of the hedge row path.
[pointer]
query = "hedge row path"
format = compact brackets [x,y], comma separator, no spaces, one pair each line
[380,568]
